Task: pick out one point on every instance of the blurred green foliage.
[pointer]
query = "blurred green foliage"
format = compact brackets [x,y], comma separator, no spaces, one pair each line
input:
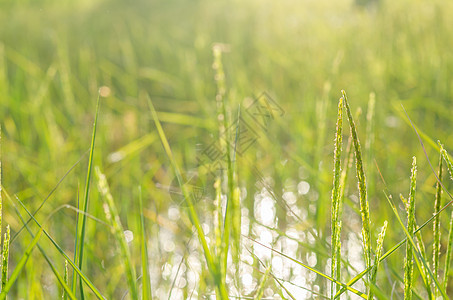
[55,55]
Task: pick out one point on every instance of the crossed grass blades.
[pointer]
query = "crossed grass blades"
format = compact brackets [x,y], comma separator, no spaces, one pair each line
[216,256]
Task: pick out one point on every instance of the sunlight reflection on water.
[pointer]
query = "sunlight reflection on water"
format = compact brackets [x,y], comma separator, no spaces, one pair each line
[265,210]
[294,240]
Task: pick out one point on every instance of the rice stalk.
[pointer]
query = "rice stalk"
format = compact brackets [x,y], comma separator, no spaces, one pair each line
[364,208]
[225,139]
[1,183]
[436,223]
[6,240]
[5,256]
[113,218]
[347,165]
[447,160]
[393,249]
[409,239]
[423,271]
[217,65]
[408,264]
[20,265]
[66,279]
[448,254]
[336,193]
[377,257]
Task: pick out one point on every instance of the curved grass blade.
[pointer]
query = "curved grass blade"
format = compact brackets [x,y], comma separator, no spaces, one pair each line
[348,287]
[49,195]
[430,165]
[279,283]
[62,280]
[54,270]
[260,290]
[67,291]
[421,134]
[146,280]
[176,276]
[118,231]
[80,242]
[218,217]
[275,278]
[379,294]
[426,279]
[76,238]
[90,285]
[319,251]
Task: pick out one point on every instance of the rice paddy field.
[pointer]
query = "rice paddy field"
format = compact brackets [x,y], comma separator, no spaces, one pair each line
[226,149]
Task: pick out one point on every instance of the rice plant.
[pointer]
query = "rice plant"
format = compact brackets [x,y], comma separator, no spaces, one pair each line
[281,220]
[66,279]
[408,262]
[436,222]
[112,216]
[448,255]
[364,207]
[336,198]
[377,258]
